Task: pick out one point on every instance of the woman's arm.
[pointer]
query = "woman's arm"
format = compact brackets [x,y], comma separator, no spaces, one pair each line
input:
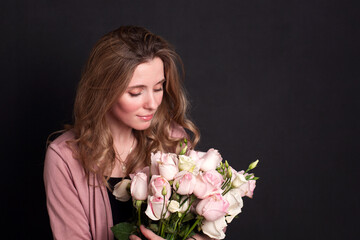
[67,216]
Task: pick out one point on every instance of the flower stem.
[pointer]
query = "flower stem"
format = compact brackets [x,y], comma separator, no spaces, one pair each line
[161,228]
[139,217]
[226,191]
[192,199]
[138,208]
[225,183]
[192,227]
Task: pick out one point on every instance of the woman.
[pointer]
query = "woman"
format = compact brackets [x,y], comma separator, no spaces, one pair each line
[129,103]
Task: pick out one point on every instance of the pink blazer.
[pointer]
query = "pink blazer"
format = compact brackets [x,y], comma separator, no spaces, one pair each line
[77,209]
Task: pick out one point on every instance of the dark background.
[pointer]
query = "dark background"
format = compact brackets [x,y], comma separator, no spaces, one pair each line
[271,80]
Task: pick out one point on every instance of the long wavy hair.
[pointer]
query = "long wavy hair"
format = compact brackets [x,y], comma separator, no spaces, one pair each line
[105,77]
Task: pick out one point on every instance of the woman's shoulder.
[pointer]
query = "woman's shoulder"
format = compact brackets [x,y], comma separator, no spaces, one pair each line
[61,142]
[59,150]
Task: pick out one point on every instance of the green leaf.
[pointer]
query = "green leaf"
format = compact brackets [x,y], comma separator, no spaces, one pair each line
[189,216]
[184,230]
[169,229]
[154,227]
[248,177]
[123,230]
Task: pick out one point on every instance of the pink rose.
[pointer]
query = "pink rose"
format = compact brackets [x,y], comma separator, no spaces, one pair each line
[210,160]
[156,208]
[184,183]
[208,183]
[164,164]
[139,186]
[213,207]
[247,189]
[157,184]
[168,165]
[196,155]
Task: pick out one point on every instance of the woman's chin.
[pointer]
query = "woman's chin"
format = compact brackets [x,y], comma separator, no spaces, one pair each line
[143,126]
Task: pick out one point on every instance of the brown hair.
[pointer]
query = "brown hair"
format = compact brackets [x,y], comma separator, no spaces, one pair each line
[105,77]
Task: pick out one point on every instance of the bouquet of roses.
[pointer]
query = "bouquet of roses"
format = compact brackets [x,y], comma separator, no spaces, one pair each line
[179,195]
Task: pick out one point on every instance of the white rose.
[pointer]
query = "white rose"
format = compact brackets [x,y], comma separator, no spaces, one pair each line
[235,204]
[186,163]
[121,190]
[214,229]
[174,206]
[238,179]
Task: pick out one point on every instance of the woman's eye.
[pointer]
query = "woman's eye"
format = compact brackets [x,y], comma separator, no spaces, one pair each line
[134,94]
[158,89]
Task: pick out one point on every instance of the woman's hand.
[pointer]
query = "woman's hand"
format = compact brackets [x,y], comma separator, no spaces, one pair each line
[152,236]
[147,233]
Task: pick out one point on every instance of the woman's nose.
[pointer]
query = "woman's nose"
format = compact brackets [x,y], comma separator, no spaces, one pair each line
[151,103]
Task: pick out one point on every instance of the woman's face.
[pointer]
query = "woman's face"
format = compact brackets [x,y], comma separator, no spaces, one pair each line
[137,106]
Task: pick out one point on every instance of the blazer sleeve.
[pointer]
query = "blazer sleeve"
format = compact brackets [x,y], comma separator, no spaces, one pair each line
[68,219]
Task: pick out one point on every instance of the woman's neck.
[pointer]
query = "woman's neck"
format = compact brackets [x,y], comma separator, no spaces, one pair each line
[124,141]
[121,133]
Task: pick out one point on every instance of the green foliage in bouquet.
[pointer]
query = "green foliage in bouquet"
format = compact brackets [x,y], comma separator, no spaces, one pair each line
[124,230]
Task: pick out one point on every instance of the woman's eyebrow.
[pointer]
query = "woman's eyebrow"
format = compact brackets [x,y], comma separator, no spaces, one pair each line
[141,85]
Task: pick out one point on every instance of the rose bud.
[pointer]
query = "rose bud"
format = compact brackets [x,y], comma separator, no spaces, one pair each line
[253,165]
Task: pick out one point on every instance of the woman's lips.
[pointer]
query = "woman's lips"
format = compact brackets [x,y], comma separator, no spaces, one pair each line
[146,118]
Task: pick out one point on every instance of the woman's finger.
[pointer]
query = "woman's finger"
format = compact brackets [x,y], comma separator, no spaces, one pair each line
[149,234]
[134,237]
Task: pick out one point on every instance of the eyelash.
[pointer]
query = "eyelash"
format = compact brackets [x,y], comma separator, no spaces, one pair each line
[138,94]
[134,94]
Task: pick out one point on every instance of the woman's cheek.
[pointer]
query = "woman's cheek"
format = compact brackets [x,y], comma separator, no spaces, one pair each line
[130,104]
[159,98]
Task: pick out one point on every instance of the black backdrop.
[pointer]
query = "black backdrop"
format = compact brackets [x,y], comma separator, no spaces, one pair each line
[274,80]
